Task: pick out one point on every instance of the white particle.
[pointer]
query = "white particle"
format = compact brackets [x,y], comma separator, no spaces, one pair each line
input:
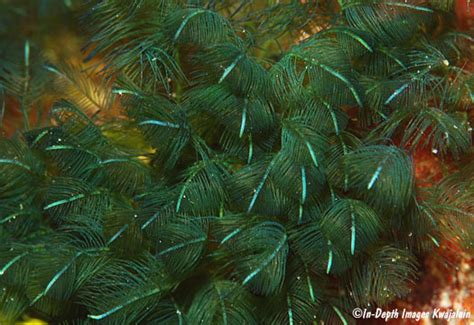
[435,151]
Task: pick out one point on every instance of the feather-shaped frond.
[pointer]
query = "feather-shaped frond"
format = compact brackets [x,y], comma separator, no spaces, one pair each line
[197,26]
[443,132]
[13,300]
[300,299]
[302,143]
[387,273]
[180,246]
[244,185]
[203,188]
[20,219]
[383,175]
[58,268]
[316,249]
[167,312]
[341,145]
[323,116]
[72,160]
[401,20]
[155,207]
[248,148]
[259,255]
[60,276]
[377,91]
[418,228]
[275,20]
[69,196]
[126,292]
[410,89]
[121,228]
[80,87]
[240,115]
[384,62]
[128,37]
[333,313]
[124,175]
[308,63]
[355,42]
[445,5]
[235,67]
[351,225]
[249,184]
[19,167]
[76,126]
[451,204]
[164,126]
[222,302]
[25,78]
